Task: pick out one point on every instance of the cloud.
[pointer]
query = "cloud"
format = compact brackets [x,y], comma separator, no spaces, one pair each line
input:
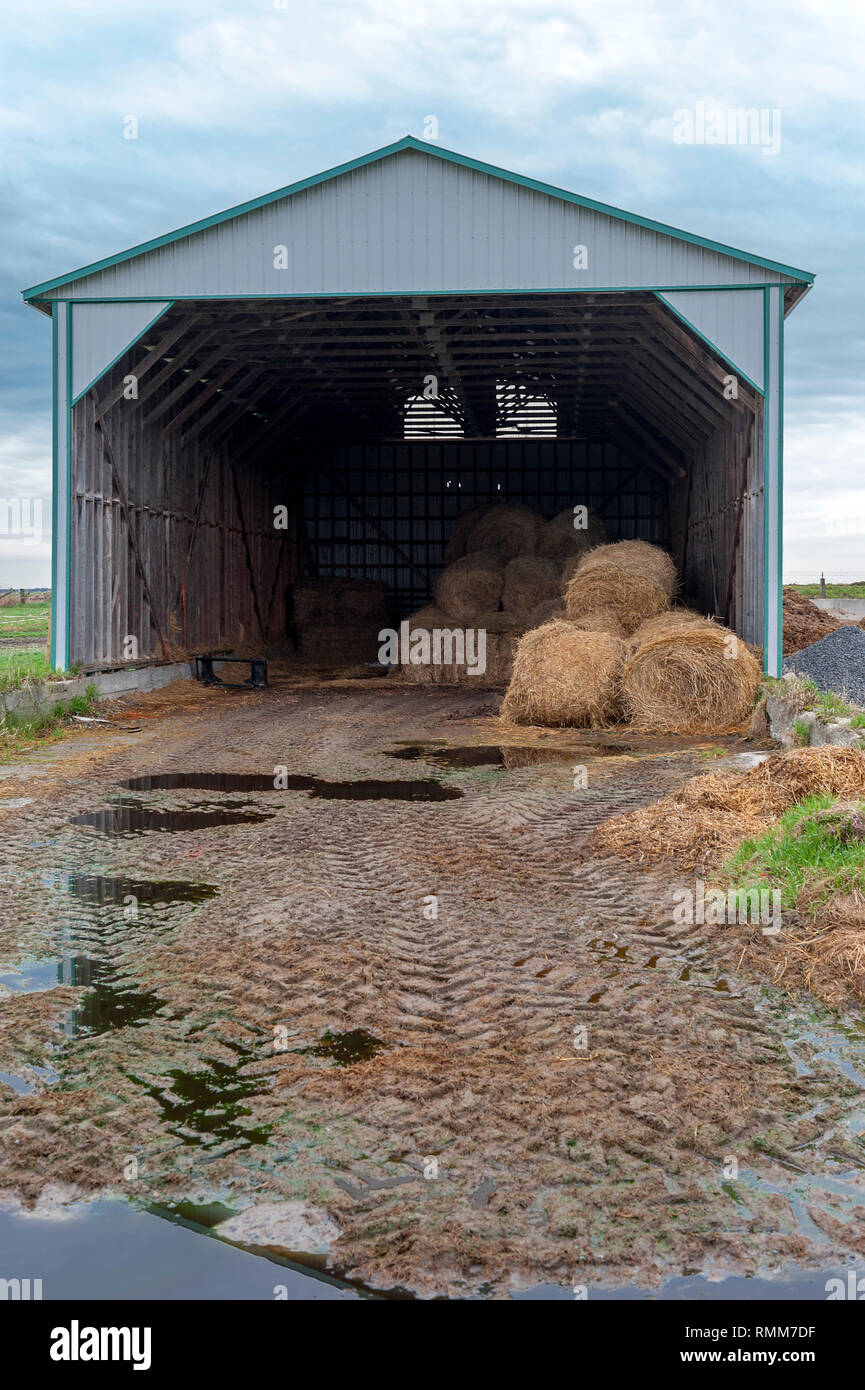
[234,100]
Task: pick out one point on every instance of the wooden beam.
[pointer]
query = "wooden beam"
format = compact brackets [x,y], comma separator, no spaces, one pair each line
[146,364]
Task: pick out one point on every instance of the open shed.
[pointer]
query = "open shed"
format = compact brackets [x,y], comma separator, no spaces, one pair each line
[320,380]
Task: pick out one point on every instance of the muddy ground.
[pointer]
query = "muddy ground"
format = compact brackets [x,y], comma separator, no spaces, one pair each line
[544,1081]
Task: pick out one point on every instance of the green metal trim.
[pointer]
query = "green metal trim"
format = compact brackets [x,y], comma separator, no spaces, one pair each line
[54,530]
[68,519]
[708,341]
[113,363]
[766,485]
[410,142]
[780,576]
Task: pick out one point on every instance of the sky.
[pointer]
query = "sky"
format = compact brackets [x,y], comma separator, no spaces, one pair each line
[232,100]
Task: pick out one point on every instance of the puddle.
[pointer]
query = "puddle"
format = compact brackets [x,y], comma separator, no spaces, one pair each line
[105,891]
[83,1253]
[22,1087]
[495,755]
[201,782]
[344,1049]
[30,975]
[203,1107]
[797,1285]
[366,790]
[135,819]
[109,1003]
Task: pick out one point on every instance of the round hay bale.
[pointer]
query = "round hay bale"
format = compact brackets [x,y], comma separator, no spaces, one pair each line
[690,678]
[508,530]
[561,540]
[462,528]
[637,557]
[545,613]
[637,579]
[601,620]
[471,585]
[662,624]
[564,676]
[500,622]
[428,617]
[529,580]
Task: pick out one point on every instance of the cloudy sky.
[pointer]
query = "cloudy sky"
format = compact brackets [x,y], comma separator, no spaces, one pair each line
[234,99]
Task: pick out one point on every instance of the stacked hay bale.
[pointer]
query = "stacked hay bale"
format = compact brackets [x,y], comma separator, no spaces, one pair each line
[338,620]
[687,674]
[621,653]
[564,675]
[504,576]
[634,579]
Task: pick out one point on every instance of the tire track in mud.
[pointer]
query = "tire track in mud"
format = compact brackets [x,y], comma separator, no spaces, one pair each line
[555,1151]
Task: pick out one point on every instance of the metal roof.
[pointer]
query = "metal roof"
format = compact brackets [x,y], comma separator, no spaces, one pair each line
[375,186]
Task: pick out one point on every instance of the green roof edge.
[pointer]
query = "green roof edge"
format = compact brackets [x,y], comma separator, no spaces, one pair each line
[410,142]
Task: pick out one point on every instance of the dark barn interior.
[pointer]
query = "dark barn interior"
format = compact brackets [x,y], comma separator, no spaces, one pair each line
[373,421]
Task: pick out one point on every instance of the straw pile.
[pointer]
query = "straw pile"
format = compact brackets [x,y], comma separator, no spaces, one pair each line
[507,530]
[563,676]
[560,540]
[705,821]
[529,581]
[638,580]
[471,585]
[338,620]
[689,676]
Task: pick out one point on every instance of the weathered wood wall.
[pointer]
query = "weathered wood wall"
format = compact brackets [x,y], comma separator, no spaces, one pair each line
[199,528]
[717,523]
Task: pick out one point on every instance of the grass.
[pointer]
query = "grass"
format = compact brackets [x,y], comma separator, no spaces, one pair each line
[802,732]
[801,848]
[23,635]
[21,733]
[855,590]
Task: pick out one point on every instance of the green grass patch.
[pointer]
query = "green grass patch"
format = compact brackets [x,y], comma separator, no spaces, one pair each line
[801,848]
[855,590]
[23,635]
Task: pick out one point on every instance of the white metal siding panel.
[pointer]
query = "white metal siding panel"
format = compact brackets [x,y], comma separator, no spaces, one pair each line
[732,320]
[101,333]
[412,223]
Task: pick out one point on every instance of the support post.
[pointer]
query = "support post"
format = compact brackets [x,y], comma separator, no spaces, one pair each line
[773,481]
[61,337]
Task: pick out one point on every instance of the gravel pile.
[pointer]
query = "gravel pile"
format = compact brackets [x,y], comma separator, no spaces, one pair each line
[835,663]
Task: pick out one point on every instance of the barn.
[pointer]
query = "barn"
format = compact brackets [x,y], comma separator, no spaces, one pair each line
[318,382]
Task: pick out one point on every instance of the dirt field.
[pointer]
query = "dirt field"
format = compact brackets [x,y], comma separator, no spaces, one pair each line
[466,1137]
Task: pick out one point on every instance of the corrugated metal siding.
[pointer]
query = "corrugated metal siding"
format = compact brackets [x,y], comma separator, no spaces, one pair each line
[412,494]
[101,332]
[732,320]
[414,224]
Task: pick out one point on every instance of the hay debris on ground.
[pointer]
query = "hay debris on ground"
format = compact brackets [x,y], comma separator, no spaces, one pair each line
[508,529]
[529,581]
[560,540]
[701,824]
[637,579]
[471,585]
[804,622]
[565,676]
[689,677]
